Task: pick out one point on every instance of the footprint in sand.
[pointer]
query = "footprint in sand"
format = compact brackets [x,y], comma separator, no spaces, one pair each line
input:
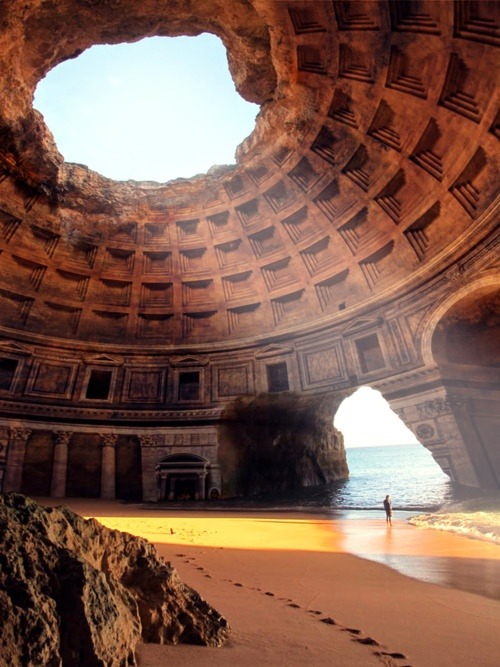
[269,593]
[369,641]
[294,605]
[328,620]
[239,585]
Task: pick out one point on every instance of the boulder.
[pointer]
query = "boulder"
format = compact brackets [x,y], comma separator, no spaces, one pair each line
[73,592]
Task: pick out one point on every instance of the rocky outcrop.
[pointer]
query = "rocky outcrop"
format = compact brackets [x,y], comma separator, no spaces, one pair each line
[73,592]
[280,442]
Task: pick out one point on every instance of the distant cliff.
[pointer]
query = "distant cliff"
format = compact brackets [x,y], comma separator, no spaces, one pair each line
[75,593]
[279,442]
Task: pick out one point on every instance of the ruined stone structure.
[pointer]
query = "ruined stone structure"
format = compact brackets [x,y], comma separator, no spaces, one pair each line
[354,243]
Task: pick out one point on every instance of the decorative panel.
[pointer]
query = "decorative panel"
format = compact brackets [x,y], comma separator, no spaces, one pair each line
[51,378]
[322,366]
[144,385]
[232,381]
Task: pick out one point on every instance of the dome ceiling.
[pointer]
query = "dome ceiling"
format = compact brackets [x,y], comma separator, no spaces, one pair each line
[373,166]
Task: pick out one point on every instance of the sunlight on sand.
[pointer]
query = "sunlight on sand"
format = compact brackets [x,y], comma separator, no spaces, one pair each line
[285,534]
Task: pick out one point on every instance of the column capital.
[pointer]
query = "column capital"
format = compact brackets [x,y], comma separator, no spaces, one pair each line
[108,439]
[62,437]
[20,433]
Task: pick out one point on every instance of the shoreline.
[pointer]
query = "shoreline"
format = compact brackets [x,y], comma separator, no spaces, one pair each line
[294,591]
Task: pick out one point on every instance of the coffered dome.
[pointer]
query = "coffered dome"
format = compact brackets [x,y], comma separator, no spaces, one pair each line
[373,166]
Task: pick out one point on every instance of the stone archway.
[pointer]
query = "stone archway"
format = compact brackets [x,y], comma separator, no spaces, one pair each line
[466,351]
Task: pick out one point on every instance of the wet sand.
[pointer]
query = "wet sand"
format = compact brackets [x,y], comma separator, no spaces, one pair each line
[294,592]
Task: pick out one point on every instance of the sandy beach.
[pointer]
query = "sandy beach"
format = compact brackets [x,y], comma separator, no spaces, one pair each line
[296,590]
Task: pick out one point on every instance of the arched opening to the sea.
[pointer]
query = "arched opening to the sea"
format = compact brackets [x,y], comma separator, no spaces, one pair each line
[384,457]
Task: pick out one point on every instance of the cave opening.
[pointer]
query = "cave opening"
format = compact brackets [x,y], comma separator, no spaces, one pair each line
[157,109]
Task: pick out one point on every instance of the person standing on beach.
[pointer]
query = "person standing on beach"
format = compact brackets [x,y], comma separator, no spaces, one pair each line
[388,509]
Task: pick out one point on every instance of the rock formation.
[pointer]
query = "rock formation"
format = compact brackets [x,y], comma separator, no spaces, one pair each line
[280,442]
[73,592]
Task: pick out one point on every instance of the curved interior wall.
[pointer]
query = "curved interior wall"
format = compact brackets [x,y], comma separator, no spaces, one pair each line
[365,202]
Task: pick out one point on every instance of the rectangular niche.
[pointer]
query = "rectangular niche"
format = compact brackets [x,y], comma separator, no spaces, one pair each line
[198,324]
[279,196]
[144,385]
[259,174]
[304,175]
[249,212]
[109,324]
[298,226]
[229,253]
[188,386]
[358,231]
[47,239]
[73,285]
[156,294]
[288,306]
[278,274]
[243,317]
[52,378]
[155,325]
[119,260]
[9,225]
[277,377]
[370,355]
[31,273]
[8,369]
[98,386]
[157,263]
[15,306]
[114,292]
[197,292]
[189,230]
[61,319]
[156,232]
[83,254]
[265,242]
[331,291]
[218,223]
[239,285]
[235,187]
[232,381]
[318,256]
[193,260]
[124,231]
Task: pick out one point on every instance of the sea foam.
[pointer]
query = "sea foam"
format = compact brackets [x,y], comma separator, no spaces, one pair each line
[478,519]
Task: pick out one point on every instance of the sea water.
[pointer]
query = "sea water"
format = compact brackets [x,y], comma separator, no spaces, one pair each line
[408,473]
[421,493]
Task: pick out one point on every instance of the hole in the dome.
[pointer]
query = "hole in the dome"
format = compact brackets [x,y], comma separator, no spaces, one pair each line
[158,109]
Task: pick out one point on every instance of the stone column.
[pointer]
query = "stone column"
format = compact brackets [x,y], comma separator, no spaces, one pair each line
[108,465]
[18,437]
[201,486]
[60,463]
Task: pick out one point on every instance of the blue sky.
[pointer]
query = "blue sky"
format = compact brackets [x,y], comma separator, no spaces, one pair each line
[157,109]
